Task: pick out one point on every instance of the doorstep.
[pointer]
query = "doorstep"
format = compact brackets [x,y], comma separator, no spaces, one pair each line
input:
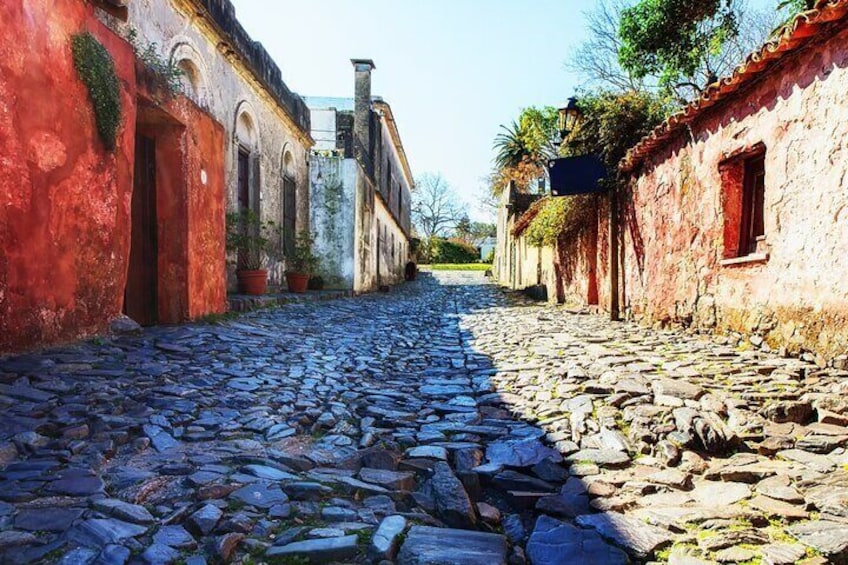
[247,303]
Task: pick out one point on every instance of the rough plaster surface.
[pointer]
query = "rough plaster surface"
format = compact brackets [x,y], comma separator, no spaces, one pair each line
[675,239]
[332,217]
[64,200]
[372,214]
[229,93]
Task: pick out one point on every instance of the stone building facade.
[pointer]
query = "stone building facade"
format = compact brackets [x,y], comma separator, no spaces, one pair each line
[224,71]
[738,217]
[572,271]
[735,217]
[88,231]
[362,188]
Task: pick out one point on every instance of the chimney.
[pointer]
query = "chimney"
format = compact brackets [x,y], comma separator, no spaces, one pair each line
[362,109]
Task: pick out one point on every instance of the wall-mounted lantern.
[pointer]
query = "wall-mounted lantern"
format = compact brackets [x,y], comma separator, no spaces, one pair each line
[578,174]
[569,117]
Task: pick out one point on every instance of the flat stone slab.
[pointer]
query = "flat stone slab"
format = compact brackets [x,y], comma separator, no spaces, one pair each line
[384,542]
[260,495]
[558,543]
[47,519]
[438,546]
[317,550]
[602,457]
[830,538]
[175,536]
[635,536]
[102,532]
[524,453]
[77,486]
[124,511]
[268,473]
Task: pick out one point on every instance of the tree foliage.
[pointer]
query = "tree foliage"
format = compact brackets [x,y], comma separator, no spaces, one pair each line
[452,251]
[523,149]
[796,5]
[674,38]
[685,45]
[559,217]
[613,123]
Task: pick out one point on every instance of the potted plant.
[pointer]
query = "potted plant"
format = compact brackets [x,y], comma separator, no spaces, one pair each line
[300,262]
[252,242]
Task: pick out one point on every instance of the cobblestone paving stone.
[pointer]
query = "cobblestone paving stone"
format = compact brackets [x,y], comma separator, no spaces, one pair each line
[444,422]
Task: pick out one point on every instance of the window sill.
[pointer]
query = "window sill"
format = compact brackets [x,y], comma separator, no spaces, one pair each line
[753,258]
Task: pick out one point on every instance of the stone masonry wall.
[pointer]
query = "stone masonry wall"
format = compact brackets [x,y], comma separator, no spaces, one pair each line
[679,214]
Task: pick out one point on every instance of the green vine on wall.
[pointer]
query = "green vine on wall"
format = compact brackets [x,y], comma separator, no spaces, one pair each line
[97,71]
[166,71]
[557,217]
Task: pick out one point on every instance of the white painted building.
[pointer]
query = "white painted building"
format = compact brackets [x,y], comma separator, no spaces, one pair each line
[361,187]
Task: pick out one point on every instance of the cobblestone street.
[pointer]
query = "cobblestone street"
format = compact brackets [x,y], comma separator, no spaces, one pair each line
[346,431]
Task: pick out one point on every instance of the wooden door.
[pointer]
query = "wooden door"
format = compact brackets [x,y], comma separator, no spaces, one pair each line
[289,215]
[243,171]
[141,296]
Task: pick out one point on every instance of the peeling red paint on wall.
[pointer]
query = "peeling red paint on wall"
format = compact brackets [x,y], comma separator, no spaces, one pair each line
[65,202]
[63,198]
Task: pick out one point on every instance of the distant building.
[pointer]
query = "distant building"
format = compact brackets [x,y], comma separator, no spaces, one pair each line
[736,214]
[487,246]
[361,189]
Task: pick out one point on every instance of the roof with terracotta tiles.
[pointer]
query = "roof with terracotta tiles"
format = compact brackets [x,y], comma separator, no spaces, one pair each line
[795,34]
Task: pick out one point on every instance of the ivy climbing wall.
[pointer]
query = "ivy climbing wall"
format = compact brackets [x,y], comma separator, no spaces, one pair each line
[64,196]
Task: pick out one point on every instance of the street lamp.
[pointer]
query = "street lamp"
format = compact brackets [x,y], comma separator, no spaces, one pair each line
[569,117]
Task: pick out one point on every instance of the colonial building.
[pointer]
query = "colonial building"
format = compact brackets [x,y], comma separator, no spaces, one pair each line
[736,214]
[361,189]
[91,224]
[739,209]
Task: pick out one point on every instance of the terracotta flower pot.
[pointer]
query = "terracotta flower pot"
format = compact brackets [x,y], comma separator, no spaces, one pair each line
[297,282]
[253,283]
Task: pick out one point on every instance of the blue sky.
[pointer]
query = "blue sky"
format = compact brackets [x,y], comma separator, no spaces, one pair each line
[453,70]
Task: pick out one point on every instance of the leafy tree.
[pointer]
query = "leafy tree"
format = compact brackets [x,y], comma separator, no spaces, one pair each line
[509,147]
[463,229]
[674,38]
[796,5]
[613,123]
[524,148]
[481,231]
[436,208]
[539,129]
[685,45]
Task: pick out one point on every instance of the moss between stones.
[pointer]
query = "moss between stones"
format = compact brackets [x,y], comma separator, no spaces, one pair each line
[97,71]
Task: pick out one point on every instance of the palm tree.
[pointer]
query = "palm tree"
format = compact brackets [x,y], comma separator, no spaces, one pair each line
[510,147]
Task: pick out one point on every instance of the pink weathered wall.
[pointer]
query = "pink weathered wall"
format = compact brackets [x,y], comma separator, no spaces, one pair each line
[64,200]
[674,238]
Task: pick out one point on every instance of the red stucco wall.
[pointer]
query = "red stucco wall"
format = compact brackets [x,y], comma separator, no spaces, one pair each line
[206,209]
[64,200]
[675,235]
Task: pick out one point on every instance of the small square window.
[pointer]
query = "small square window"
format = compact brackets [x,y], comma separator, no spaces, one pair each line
[743,202]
